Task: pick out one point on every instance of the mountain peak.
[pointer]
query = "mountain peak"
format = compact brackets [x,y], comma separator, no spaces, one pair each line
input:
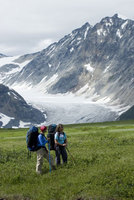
[86,25]
[119,16]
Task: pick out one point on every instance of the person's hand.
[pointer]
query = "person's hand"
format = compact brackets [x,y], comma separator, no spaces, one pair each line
[64,145]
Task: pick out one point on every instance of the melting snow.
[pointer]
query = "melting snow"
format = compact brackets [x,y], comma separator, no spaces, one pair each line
[67,108]
[83,89]
[8,60]
[24,124]
[106,69]
[11,60]
[51,50]
[5,119]
[122,16]
[72,49]
[89,68]
[43,85]
[124,24]
[118,33]
[101,32]
[49,65]
[85,35]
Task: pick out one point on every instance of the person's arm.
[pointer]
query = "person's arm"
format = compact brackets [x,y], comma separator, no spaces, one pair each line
[57,143]
[42,140]
[65,144]
[65,141]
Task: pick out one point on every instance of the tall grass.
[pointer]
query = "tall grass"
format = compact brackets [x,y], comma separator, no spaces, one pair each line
[104,169]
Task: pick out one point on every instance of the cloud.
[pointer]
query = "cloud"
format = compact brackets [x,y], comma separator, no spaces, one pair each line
[25,24]
[42,44]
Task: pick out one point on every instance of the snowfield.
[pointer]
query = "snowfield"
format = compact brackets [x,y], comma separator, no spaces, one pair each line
[67,108]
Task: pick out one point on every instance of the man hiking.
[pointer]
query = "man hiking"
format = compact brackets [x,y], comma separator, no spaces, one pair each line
[60,143]
[42,151]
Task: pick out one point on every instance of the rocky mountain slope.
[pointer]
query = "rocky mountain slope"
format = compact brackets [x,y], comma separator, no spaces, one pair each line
[2,55]
[95,62]
[15,107]
[128,115]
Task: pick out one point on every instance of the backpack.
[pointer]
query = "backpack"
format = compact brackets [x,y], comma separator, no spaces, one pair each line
[50,136]
[32,138]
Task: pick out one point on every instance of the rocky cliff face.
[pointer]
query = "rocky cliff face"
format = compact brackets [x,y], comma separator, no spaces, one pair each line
[15,107]
[128,115]
[95,61]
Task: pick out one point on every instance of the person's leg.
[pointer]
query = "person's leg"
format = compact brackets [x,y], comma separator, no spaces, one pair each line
[39,164]
[64,154]
[57,155]
[46,155]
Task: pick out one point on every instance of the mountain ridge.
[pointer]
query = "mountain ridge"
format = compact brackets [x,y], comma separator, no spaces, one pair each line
[14,106]
[92,61]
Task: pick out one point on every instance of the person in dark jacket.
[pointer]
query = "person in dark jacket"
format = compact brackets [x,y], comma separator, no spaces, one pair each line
[42,151]
[60,143]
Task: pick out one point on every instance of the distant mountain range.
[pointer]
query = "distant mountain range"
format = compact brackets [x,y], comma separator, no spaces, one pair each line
[2,55]
[95,62]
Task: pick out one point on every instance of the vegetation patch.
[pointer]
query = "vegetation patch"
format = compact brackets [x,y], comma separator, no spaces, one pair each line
[102,169]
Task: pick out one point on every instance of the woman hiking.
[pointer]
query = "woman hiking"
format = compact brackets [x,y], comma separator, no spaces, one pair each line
[42,151]
[60,144]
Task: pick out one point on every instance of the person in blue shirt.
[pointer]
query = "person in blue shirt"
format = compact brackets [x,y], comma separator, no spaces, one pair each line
[42,151]
[60,143]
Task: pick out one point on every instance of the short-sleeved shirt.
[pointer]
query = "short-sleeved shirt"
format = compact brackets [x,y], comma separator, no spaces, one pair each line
[60,137]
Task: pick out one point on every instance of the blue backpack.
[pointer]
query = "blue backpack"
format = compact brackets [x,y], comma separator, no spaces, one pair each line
[32,138]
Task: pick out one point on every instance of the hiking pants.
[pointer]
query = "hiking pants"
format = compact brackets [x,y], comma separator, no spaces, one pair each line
[61,151]
[41,154]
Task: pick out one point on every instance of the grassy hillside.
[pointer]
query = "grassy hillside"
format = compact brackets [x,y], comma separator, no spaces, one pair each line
[104,169]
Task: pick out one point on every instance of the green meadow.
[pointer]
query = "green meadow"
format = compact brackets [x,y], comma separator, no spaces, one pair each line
[103,168]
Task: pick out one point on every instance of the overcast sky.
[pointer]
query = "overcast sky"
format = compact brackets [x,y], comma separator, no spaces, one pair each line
[27,26]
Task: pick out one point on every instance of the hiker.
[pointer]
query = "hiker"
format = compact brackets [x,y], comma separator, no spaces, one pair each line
[60,144]
[42,152]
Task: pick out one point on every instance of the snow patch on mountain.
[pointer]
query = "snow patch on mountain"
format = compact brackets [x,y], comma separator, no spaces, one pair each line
[82,90]
[72,49]
[86,32]
[122,16]
[13,66]
[69,108]
[101,32]
[12,60]
[95,63]
[89,68]
[118,33]
[8,60]
[44,84]
[107,68]
[124,24]
[4,119]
